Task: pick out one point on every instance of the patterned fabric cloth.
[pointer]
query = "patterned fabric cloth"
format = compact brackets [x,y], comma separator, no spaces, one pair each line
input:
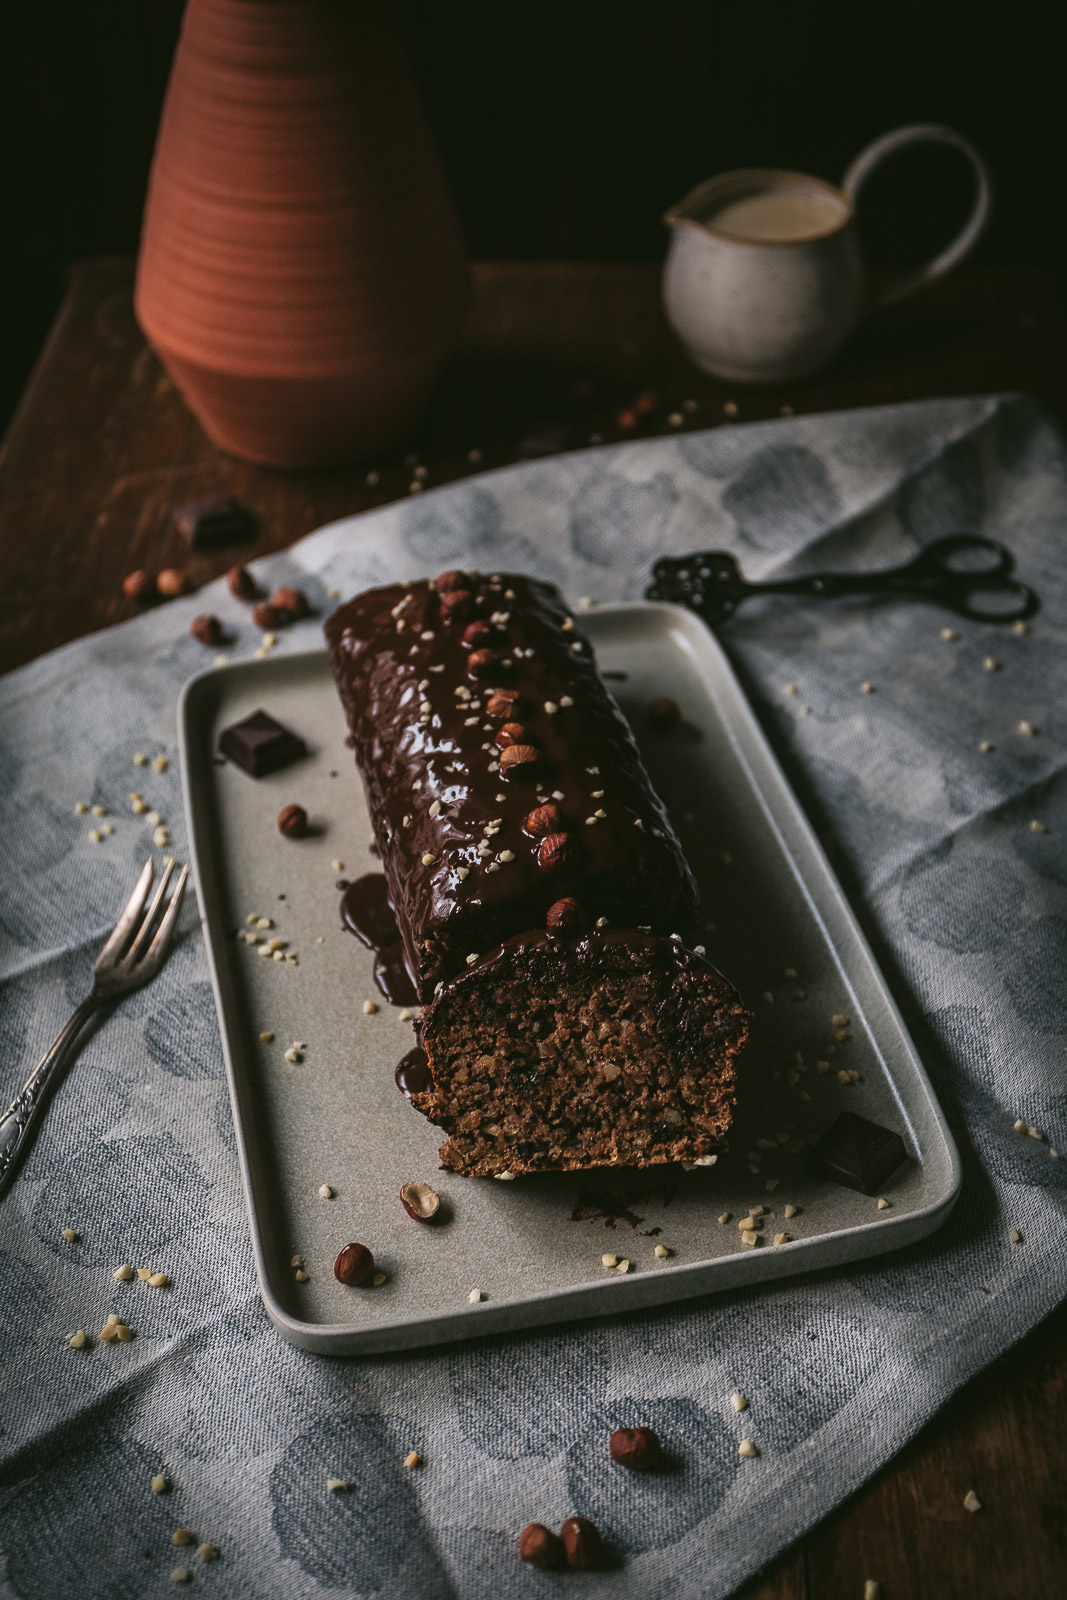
[965,903]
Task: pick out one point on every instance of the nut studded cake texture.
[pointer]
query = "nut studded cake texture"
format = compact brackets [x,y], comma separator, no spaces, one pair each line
[500,775]
[606,1049]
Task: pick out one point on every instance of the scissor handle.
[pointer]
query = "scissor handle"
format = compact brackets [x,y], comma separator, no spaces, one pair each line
[936,559]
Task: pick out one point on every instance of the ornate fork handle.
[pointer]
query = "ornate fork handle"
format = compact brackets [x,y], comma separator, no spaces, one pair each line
[17,1121]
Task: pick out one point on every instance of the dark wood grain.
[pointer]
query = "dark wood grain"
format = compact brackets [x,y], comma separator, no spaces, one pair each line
[102,450]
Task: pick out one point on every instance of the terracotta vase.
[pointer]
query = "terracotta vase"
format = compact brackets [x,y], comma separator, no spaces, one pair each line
[301,274]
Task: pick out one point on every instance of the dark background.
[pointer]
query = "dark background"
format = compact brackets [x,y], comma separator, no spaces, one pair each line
[568,126]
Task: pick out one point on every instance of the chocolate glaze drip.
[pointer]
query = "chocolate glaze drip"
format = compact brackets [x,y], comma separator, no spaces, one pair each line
[417,667]
[367,912]
[413,1073]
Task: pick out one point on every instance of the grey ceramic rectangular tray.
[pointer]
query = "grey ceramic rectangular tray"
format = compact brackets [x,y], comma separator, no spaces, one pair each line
[534,1246]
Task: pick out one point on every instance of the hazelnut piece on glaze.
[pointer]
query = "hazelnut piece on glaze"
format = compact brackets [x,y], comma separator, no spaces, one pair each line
[293,822]
[452,581]
[567,913]
[477,634]
[664,714]
[539,1546]
[354,1265]
[511,733]
[581,1542]
[139,586]
[638,1448]
[455,605]
[519,761]
[241,583]
[553,852]
[541,820]
[502,703]
[420,1201]
[293,601]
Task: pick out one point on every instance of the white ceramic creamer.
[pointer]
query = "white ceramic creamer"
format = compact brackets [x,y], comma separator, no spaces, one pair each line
[765,279]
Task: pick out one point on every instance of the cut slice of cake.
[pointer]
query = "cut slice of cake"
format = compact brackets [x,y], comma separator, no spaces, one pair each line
[556,1052]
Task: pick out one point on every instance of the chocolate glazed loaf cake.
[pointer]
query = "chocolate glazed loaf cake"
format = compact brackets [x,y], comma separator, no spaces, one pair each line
[556,1052]
[507,795]
[500,775]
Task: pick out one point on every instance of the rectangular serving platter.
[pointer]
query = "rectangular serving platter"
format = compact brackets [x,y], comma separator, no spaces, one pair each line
[533,1247]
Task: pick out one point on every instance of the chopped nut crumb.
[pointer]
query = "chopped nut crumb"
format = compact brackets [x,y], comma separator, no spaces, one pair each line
[739,1402]
[181,1575]
[949,635]
[181,1536]
[623,1266]
[369,1008]
[661,1252]
[750,1237]
[1020,628]
[1027,729]
[300,1275]
[159,1280]
[160,1483]
[140,760]
[378,1279]
[1037,827]
[413,1459]
[872,1590]
[971,1501]
[325,1192]
[207,1552]
[265,1038]
[77,1340]
[475,1296]
[1015,1236]
[724,1216]
[866,688]
[781,1238]
[747,1448]
[337,1485]
[70,1235]
[609,1260]
[789,1211]
[161,763]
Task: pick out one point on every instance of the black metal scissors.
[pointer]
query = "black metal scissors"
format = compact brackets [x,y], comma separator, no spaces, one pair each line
[946,572]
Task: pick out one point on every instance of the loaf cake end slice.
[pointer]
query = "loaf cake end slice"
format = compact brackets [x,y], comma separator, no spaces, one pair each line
[553,1053]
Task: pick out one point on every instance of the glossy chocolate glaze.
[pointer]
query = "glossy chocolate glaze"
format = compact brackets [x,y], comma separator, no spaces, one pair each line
[413,1073]
[416,681]
[367,911]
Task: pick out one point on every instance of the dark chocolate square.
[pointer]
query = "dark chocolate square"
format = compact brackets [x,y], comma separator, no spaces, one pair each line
[259,745]
[857,1153]
[215,522]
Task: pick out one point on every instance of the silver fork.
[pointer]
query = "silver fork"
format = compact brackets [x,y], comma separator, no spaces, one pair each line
[131,956]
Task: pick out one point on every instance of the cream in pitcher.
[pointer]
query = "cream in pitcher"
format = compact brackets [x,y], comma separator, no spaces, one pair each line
[765,278]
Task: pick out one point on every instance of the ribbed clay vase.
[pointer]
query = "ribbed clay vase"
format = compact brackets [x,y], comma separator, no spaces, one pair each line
[301,274]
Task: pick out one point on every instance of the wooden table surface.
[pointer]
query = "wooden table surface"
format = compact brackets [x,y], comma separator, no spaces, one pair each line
[102,449]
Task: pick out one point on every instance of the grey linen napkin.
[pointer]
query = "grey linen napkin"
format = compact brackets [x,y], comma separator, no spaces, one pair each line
[967,910]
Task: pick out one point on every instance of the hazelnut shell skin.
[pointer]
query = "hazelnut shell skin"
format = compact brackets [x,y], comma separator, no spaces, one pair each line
[581,1542]
[241,583]
[354,1265]
[539,1546]
[638,1448]
[565,913]
[207,629]
[266,615]
[292,601]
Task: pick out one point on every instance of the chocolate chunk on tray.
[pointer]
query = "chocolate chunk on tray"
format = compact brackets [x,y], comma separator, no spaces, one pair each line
[857,1153]
[556,1052]
[215,522]
[259,745]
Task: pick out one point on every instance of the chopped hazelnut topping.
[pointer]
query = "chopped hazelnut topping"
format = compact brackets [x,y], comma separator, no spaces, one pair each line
[1015,1236]
[661,1252]
[325,1192]
[622,1266]
[300,1275]
[1027,729]
[971,1501]
[181,1536]
[739,1402]
[781,1238]
[69,1235]
[337,1485]
[77,1340]
[609,1260]
[475,1296]
[413,1459]
[747,1448]
[369,1008]
[160,1483]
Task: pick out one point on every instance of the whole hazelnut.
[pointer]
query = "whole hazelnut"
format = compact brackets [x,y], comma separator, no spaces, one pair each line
[511,733]
[635,1447]
[519,761]
[566,913]
[450,582]
[171,582]
[553,852]
[293,822]
[664,714]
[420,1201]
[481,663]
[294,601]
[540,1546]
[541,820]
[477,633]
[267,616]
[455,605]
[207,629]
[581,1542]
[354,1265]
[139,586]
[241,583]
[502,703]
